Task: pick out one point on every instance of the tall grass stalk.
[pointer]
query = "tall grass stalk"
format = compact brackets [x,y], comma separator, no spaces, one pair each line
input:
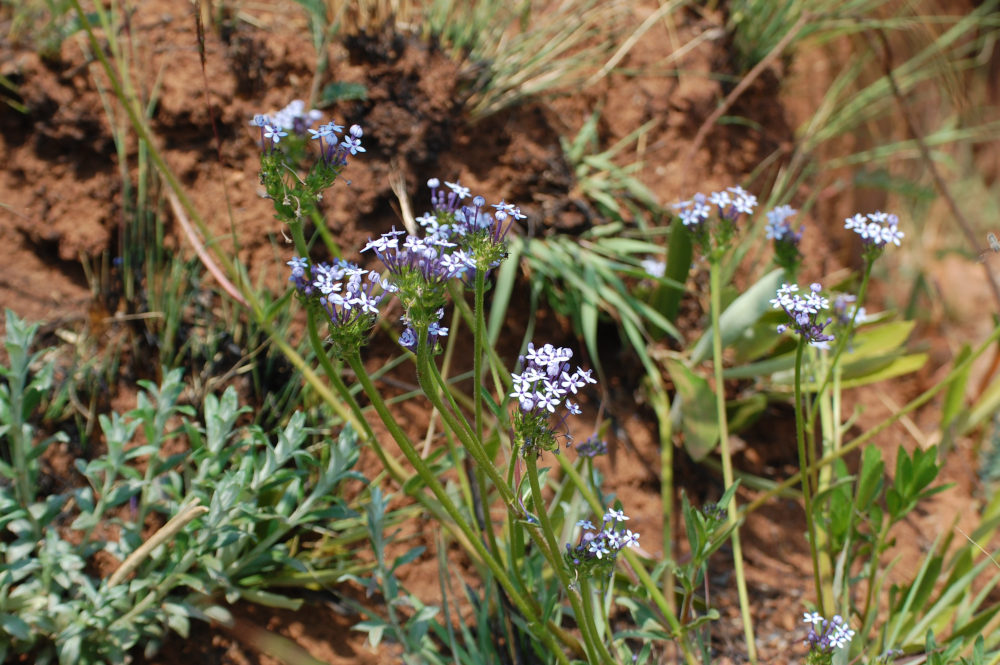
[715,294]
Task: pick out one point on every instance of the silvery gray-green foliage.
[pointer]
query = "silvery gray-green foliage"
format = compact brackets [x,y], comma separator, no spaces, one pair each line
[260,489]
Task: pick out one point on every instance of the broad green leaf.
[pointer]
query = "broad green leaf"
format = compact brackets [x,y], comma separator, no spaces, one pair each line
[695,406]
[741,314]
[667,298]
[878,341]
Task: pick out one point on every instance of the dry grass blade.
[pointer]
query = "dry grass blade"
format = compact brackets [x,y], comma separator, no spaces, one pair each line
[199,248]
[531,49]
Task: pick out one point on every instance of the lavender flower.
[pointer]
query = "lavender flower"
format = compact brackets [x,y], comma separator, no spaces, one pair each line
[459,241]
[727,205]
[280,169]
[844,310]
[352,143]
[877,230]
[334,154]
[349,296]
[540,390]
[591,448]
[804,313]
[654,268]
[435,331]
[479,232]
[273,134]
[825,637]
[295,117]
[596,550]
[786,241]
[778,226]
[714,512]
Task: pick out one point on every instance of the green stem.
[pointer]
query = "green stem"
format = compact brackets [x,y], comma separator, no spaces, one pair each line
[390,463]
[715,291]
[584,619]
[425,377]
[661,405]
[479,329]
[800,437]
[843,339]
[651,587]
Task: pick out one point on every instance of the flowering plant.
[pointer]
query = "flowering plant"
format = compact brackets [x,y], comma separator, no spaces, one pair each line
[804,313]
[542,387]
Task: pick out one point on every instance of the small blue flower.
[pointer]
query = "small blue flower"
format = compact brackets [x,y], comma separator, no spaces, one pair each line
[743,201]
[813,618]
[592,447]
[803,313]
[598,548]
[826,636]
[352,145]
[654,268]
[778,227]
[460,191]
[615,516]
[876,229]
[274,134]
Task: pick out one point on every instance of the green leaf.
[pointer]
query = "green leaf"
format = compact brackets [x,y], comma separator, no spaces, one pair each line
[15,626]
[695,405]
[342,91]
[741,314]
[878,341]
[870,478]
[667,298]
[742,413]
[954,397]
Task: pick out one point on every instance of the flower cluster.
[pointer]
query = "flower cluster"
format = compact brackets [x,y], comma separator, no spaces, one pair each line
[592,447]
[825,636]
[435,330]
[541,389]
[804,313]
[596,550]
[459,241]
[714,511]
[479,232]
[786,241]
[654,268]
[281,163]
[332,152]
[877,230]
[729,203]
[845,310]
[346,294]
[293,117]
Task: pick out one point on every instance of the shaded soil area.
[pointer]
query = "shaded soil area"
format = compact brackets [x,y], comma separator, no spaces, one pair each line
[64,205]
